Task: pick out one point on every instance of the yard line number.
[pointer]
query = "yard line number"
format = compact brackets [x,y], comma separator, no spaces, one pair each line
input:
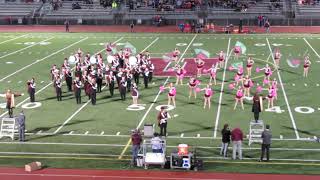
[299,109]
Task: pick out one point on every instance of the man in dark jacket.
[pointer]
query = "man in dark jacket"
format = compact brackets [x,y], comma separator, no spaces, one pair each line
[266,142]
[225,140]
[21,122]
[256,106]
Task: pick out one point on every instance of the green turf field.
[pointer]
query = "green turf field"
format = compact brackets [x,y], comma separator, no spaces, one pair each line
[63,131]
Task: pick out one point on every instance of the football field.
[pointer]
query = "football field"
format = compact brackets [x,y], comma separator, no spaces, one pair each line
[66,130]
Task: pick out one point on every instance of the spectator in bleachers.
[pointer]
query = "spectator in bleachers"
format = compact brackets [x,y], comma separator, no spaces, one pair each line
[76,5]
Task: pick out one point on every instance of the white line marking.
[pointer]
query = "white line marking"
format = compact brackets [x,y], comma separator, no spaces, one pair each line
[118,133]
[167,66]
[14,38]
[70,132]
[311,47]
[221,91]
[39,132]
[305,84]
[293,84]
[198,135]
[39,60]
[285,96]
[182,134]
[102,133]
[25,48]
[87,132]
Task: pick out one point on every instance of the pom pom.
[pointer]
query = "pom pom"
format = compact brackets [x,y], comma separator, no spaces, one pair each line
[230,68]
[197,82]
[205,70]
[231,86]
[259,89]
[198,89]
[171,70]
[251,83]
[257,69]
[236,78]
[162,88]
[265,81]
[184,71]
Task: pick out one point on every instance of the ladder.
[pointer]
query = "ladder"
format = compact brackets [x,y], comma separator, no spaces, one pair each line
[8,127]
[255,131]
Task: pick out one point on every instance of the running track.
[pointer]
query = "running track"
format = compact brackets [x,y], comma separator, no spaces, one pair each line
[71,174]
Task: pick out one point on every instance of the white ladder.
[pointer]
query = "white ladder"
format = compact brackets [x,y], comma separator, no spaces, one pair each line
[256,129]
[8,127]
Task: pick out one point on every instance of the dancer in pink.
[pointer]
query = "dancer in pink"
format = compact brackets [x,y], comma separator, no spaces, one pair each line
[306,66]
[267,73]
[172,94]
[207,96]
[271,93]
[239,98]
[213,73]
[193,82]
[277,56]
[200,64]
[274,86]
[175,55]
[221,59]
[239,75]
[250,63]
[180,72]
[247,84]
[237,52]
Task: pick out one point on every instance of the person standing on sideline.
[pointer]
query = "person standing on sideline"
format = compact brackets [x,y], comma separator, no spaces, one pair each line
[163,117]
[256,106]
[67,23]
[266,142]
[32,89]
[131,27]
[237,138]
[22,126]
[136,140]
[226,133]
[267,26]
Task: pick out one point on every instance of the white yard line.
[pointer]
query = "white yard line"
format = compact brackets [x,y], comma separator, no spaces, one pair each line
[25,48]
[311,47]
[285,95]
[221,91]
[13,39]
[155,99]
[39,60]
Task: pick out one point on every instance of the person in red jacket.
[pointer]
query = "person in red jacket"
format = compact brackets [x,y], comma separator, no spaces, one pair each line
[237,138]
[136,140]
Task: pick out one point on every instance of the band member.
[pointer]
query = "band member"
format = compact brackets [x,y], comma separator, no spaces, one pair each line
[78,72]
[123,88]
[136,74]
[239,98]
[221,59]
[77,89]
[10,98]
[129,80]
[172,95]
[53,72]
[99,78]
[68,77]
[58,88]
[109,48]
[267,73]
[271,94]
[179,74]
[32,89]
[175,55]
[110,79]
[213,73]
[145,73]
[163,117]
[151,69]
[247,84]
[250,63]
[207,96]
[306,66]
[134,93]
[193,82]
[277,56]
[200,64]
[93,91]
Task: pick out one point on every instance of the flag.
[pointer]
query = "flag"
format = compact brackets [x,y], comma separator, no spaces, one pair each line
[236,65]
[201,54]
[242,47]
[129,47]
[294,63]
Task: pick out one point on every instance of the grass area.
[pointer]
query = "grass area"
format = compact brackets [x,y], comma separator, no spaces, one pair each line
[61,132]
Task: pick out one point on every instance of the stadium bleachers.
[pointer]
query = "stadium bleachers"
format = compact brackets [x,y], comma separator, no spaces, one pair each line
[18,9]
